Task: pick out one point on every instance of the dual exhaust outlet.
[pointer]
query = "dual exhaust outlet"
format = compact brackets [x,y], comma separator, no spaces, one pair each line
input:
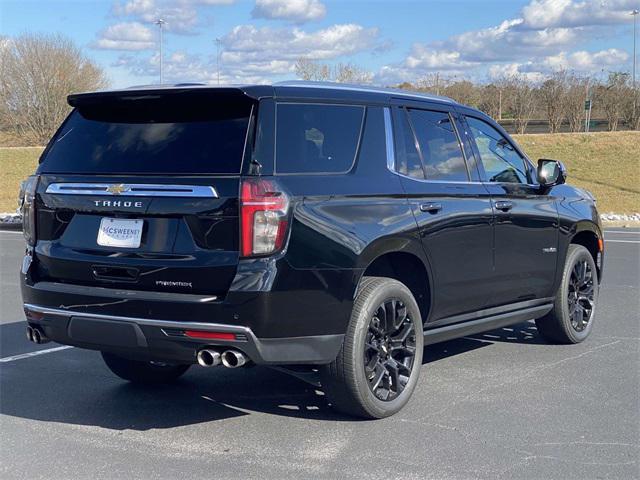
[35,335]
[229,358]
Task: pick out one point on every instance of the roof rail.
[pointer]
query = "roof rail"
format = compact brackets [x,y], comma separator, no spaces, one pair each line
[362,88]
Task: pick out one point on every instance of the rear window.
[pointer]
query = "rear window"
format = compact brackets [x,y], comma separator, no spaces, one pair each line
[155,135]
[313,138]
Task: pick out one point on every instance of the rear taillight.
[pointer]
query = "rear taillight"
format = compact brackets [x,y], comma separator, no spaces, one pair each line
[28,209]
[263,217]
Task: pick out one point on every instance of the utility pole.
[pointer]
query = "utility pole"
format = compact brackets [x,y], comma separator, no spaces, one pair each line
[160,22]
[587,108]
[633,80]
[635,13]
[218,59]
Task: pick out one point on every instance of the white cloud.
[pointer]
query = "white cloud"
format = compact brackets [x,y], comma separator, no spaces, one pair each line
[181,67]
[297,11]
[250,52]
[181,16]
[569,13]
[209,2]
[257,55]
[251,43]
[542,38]
[586,61]
[134,7]
[125,36]
[580,61]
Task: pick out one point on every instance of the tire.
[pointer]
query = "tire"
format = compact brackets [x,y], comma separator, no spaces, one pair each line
[143,372]
[572,316]
[393,362]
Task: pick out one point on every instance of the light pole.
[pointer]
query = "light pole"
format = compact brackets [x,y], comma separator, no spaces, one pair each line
[160,22]
[633,80]
[218,59]
[635,16]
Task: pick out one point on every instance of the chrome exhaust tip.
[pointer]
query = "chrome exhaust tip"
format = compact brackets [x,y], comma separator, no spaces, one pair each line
[233,359]
[30,334]
[38,336]
[208,358]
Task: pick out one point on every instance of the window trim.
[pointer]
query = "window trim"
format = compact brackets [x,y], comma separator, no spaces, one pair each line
[483,173]
[415,138]
[358,144]
[388,138]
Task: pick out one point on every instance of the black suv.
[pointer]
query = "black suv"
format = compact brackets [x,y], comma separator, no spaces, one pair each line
[301,224]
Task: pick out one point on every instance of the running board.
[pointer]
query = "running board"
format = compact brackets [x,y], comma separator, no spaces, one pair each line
[463,329]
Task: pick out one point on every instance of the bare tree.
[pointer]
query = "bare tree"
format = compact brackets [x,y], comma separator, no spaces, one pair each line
[350,73]
[311,70]
[631,108]
[575,96]
[465,92]
[553,93]
[342,72]
[612,97]
[38,72]
[490,101]
[433,83]
[522,101]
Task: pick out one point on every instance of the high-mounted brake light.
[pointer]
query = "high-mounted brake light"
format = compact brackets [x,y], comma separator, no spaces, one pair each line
[263,217]
[28,209]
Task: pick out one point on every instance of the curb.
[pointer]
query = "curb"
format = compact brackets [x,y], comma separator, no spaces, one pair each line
[10,226]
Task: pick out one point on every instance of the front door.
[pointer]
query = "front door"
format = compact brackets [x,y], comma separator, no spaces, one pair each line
[526,221]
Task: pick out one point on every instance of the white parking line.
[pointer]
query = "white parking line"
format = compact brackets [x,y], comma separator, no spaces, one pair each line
[621,241]
[622,231]
[33,354]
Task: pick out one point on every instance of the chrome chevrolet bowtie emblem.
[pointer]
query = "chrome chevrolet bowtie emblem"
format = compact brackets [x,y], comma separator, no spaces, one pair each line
[118,189]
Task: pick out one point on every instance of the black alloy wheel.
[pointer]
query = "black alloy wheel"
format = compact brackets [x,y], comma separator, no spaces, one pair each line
[580,295]
[572,316]
[378,365]
[390,348]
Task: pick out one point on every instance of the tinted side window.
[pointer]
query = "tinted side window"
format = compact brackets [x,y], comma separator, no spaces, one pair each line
[317,138]
[441,152]
[407,156]
[372,146]
[501,162]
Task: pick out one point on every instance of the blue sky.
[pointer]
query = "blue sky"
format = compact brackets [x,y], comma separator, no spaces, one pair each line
[395,40]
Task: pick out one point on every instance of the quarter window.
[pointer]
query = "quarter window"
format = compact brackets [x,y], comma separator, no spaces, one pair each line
[408,157]
[439,147]
[501,161]
[317,138]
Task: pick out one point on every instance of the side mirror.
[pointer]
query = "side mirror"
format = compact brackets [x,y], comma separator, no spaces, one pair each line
[551,172]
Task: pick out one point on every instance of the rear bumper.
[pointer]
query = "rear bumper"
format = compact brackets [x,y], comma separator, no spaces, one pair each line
[153,339]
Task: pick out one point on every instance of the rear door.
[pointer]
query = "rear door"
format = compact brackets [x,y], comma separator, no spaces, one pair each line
[526,228]
[451,207]
[140,192]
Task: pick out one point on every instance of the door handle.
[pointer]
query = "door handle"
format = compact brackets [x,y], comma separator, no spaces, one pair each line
[431,207]
[503,205]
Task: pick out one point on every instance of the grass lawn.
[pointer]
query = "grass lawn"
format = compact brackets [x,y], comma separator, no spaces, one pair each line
[606,164]
[16,164]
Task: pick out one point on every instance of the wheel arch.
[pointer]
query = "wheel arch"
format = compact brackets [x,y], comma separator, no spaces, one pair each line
[589,235]
[409,267]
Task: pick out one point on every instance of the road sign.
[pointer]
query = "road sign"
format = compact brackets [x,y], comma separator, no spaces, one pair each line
[587,105]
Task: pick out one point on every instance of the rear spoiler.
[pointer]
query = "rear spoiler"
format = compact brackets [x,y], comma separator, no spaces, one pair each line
[249,94]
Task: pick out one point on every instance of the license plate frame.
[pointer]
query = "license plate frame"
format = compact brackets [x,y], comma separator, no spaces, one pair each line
[120,232]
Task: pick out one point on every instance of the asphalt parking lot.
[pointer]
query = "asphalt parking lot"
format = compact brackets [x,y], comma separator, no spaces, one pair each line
[504,404]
